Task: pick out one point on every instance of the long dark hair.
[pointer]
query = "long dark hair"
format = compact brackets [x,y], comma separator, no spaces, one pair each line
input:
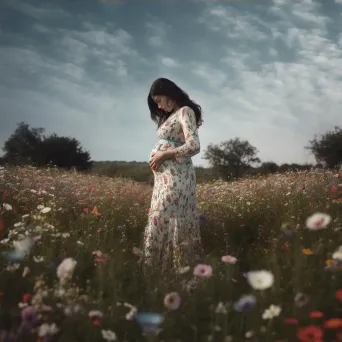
[165,87]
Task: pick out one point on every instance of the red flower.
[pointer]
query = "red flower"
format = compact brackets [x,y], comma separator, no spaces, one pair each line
[339,294]
[333,190]
[291,321]
[26,297]
[310,333]
[333,323]
[316,314]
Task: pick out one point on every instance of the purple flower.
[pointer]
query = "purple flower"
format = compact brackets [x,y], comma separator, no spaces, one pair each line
[245,303]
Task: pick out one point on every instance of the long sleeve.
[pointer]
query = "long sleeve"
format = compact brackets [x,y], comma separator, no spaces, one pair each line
[188,124]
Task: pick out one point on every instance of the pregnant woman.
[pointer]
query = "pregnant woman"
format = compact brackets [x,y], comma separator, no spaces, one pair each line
[172,235]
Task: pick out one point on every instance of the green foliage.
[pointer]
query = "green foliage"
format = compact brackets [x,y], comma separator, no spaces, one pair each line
[328,148]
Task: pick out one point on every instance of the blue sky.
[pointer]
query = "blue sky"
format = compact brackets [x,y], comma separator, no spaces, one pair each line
[266,71]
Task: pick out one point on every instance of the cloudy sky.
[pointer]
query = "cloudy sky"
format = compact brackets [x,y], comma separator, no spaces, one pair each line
[266,71]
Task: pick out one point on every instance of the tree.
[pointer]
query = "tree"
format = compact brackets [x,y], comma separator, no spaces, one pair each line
[23,145]
[29,146]
[232,156]
[269,167]
[328,149]
[65,152]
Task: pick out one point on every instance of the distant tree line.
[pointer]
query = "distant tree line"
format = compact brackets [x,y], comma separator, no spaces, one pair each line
[230,159]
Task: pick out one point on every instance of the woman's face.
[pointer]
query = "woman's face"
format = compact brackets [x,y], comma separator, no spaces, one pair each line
[164,103]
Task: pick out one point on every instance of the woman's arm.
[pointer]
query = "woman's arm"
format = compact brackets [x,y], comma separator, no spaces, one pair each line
[191,147]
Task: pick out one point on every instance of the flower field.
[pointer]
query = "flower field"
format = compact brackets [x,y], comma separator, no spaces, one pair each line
[71,254]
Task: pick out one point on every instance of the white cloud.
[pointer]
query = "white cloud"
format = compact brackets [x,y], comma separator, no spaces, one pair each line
[169,62]
[156,31]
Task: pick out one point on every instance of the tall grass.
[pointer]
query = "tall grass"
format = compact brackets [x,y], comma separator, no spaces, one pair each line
[99,222]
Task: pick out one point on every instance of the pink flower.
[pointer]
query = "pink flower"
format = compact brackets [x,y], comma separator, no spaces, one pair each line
[172,301]
[202,270]
[229,259]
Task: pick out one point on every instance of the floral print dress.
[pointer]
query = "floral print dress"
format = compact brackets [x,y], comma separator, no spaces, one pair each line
[172,235]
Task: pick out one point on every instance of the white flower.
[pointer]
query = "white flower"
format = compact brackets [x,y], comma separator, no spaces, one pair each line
[47,329]
[7,206]
[137,251]
[183,270]
[22,305]
[108,335]
[221,308]
[45,210]
[80,243]
[338,254]
[66,268]
[260,280]
[271,312]
[40,207]
[318,221]
[38,259]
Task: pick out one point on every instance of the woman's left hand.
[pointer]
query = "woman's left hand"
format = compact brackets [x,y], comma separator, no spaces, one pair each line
[157,158]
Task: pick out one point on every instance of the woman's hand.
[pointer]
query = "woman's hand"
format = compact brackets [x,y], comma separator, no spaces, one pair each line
[157,158]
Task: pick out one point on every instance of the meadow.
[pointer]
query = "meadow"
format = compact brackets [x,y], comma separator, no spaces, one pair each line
[71,271]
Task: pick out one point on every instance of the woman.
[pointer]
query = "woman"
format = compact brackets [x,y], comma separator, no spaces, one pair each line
[172,236]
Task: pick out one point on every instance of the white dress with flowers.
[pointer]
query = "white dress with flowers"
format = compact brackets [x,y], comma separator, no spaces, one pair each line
[172,235]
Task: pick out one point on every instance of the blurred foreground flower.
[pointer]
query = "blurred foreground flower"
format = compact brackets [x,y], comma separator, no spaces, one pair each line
[271,312]
[338,254]
[301,299]
[172,301]
[21,249]
[202,270]
[149,322]
[318,221]
[228,259]
[245,303]
[108,335]
[260,280]
[66,268]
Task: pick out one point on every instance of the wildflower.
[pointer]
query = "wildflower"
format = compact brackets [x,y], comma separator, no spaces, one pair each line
[7,206]
[338,294]
[221,308]
[45,210]
[318,221]
[183,270]
[149,322]
[38,259]
[172,301]
[95,314]
[47,329]
[95,211]
[66,268]
[137,251]
[260,280]
[310,333]
[301,299]
[271,312]
[333,323]
[80,243]
[108,335]
[26,271]
[307,251]
[229,259]
[202,270]
[245,303]
[291,321]
[338,254]
[316,314]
